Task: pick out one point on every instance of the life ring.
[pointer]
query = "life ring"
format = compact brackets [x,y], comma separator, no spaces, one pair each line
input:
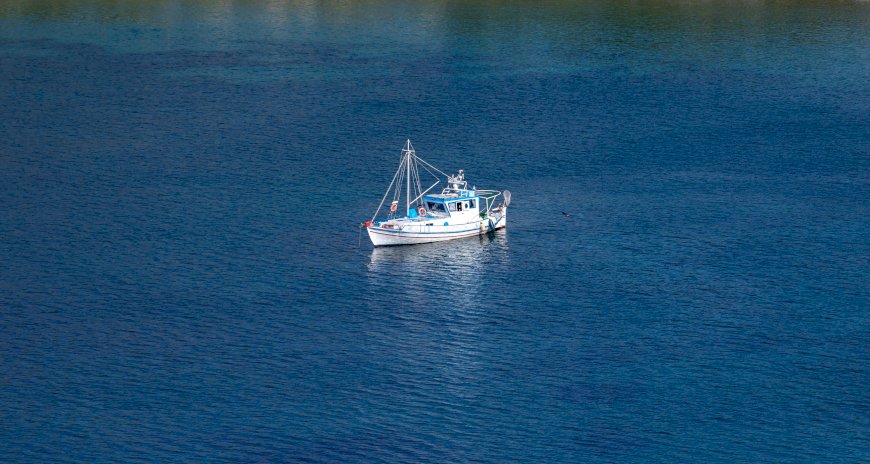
[394,207]
[421,211]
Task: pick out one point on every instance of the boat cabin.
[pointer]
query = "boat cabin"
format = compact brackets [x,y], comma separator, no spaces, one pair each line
[458,204]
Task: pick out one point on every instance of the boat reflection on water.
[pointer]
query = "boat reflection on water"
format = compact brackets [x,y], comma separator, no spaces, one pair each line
[434,300]
[457,269]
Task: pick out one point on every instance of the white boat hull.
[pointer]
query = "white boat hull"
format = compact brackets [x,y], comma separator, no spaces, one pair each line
[392,237]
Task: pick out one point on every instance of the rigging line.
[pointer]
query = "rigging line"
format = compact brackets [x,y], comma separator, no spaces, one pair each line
[387,192]
[402,178]
[419,179]
[398,187]
[397,194]
[427,190]
[412,180]
[430,172]
[419,182]
[413,173]
[433,167]
[434,176]
[427,165]
[423,165]
[398,180]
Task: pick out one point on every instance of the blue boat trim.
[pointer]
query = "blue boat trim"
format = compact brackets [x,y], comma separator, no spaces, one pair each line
[448,200]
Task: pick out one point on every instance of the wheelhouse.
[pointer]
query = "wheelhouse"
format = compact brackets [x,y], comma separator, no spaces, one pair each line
[453,204]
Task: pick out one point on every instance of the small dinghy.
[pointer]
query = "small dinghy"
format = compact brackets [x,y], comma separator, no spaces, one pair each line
[456,212]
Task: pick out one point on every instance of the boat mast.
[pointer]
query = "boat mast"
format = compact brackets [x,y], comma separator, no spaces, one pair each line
[409,156]
[408,176]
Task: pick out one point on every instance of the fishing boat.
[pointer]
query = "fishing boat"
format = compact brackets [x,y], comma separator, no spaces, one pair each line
[417,216]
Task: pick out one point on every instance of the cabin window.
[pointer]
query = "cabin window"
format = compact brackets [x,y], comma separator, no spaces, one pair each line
[452,206]
[458,206]
[436,207]
[471,203]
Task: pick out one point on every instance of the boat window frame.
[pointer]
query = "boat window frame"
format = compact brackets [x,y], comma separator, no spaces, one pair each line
[436,206]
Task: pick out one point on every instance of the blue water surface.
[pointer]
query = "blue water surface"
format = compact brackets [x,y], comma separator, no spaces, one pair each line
[181,184]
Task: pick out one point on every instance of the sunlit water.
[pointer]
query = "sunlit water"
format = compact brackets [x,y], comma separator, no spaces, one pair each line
[181,184]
